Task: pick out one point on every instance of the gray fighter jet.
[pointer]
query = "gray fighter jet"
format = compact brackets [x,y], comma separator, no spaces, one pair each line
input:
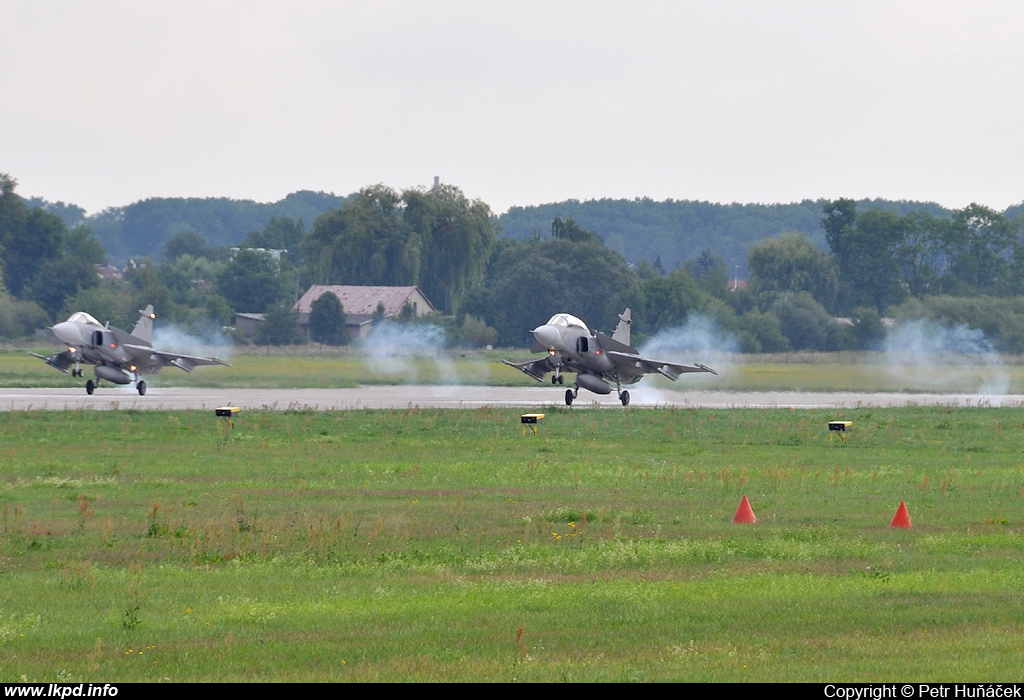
[119,357]
[596,358]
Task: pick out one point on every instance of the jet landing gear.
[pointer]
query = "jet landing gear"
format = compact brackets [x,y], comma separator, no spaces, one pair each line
[140,385]
[570,394]
[557,379]
[623,395]
[91,386]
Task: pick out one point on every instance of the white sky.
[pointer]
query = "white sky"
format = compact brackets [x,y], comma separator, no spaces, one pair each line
[106,102]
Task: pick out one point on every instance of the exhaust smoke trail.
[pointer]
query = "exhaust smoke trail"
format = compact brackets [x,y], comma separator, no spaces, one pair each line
[392,350]
[923,350]
[174,339]
[699,340]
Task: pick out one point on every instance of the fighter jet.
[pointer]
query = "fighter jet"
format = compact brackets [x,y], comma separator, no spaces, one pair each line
[119,357]
[596,358]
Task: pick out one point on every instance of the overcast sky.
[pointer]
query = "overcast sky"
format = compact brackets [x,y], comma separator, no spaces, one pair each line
[106,102]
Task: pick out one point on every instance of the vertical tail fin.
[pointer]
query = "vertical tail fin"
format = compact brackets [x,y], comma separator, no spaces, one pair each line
[144,328]
[621,333]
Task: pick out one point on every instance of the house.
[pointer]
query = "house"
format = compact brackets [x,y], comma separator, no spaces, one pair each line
[362,304]
[246,324]
[107,271]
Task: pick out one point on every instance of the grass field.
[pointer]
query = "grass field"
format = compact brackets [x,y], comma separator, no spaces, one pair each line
[446,545]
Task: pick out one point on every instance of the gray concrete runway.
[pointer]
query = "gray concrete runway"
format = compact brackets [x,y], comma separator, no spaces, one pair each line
[126,398]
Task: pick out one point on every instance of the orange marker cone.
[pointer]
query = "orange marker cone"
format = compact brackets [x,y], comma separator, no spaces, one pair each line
[902,517]
[744,514]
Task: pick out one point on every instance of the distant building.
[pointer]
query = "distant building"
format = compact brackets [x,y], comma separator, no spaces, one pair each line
[274,253]
[109,272]
[362,304]
[246,324]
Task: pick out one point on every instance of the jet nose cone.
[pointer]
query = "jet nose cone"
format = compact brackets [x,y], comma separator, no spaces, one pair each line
[68,333]
[547,335]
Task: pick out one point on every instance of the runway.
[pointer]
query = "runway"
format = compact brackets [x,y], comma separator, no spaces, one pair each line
[419,396]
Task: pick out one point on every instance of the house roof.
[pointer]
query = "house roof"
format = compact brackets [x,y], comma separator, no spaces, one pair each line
[360,300]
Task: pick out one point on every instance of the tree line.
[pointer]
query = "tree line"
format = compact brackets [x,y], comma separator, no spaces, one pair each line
[826,291]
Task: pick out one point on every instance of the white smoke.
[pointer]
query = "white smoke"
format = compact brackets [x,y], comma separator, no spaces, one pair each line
[171,338]
[396,350]
[922,351]
[699,340]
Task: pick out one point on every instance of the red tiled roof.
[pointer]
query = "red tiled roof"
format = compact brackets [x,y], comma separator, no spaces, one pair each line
[359,300]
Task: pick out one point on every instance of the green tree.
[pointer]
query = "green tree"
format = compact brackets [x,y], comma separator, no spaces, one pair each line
[571,231]
[364,242]
[327,320]
[710,273]
[981,241]
[251,282]
[28,249]
[761,332]
[67,262]
[189,243]
[147,287]
[280,327]
[805,323]
[868,330]
[107,301]
[792,264]
[661,302]
[920,256]
[531,281]
[456,236]
[19,319]
[13,220]
[866,249]
[81,244]
[280,233]
[58,279]
[473,333]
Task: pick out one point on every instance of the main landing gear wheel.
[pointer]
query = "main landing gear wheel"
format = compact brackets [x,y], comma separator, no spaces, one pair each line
[141,386]
[568,397]
[90,386]
[624,398]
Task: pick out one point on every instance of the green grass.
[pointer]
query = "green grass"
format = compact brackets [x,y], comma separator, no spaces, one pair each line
[416,544]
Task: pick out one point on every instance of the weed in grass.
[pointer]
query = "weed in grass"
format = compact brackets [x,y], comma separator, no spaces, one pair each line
[875,574]
[156,528]
[130,613]
[243,522]
[76,574]
[517,657]
[83,513]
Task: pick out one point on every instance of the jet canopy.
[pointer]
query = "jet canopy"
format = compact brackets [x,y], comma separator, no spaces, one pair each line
[568,321]
[82,317]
